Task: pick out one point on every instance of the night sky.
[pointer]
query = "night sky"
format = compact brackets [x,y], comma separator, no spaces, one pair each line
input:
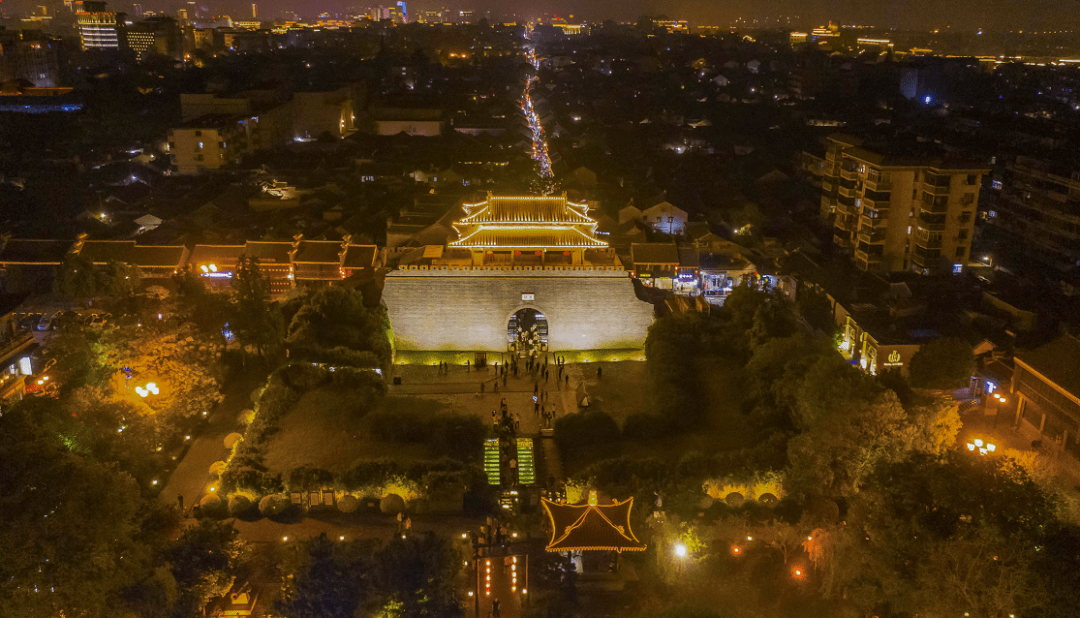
[1027,15]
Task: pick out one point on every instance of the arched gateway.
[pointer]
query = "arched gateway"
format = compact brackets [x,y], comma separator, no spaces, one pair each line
[516,258]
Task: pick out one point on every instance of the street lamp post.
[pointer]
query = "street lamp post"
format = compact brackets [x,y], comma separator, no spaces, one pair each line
[997,407]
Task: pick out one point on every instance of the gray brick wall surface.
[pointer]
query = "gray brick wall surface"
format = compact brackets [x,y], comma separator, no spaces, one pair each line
[469,309]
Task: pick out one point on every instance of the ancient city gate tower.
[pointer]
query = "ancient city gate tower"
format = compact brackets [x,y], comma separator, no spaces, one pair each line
[517,262]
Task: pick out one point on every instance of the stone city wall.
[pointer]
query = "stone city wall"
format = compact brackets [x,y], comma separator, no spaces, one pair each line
[469,308]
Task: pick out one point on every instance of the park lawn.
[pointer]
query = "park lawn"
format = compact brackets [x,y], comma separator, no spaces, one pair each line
[326,430]
[620,391]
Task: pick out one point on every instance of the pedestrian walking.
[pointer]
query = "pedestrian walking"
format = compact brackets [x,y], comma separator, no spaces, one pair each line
[180,499]
[467,366]
[568,380]
[599,372]
[399,522]
[408,524]
[536,408]
[545,376]
[495,609]
[536,388]
[496,385]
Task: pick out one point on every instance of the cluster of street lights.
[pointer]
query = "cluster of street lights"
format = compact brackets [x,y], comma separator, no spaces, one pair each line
[983,448]
[150,389]
[540,148]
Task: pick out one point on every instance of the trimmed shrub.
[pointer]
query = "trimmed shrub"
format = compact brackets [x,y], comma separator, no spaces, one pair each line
[274,504]
[238,504]
[301,377]
[243,476]
[218,467]
[212,505]
[370,473]
[391,504]
[309,478]
[348,503]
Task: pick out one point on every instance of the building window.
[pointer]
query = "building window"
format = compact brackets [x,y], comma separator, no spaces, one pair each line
[198,134]
[965,217]
[969,198]
[960,251]
[962,234]
[172,146]
[198,157]
[972,179]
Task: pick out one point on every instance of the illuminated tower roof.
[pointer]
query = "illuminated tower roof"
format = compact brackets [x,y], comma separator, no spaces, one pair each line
[526,223]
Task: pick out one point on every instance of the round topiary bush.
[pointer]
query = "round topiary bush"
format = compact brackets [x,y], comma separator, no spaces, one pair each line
[391,504]
[734,499]
[274,504]
[768,499]
[348,503]
[218,467]
[232,439]
[212,505]
[238,504]
[247,416]
[705,502]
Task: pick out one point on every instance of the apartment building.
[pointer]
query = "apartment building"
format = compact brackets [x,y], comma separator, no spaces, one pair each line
[217,132]
[210,142]
[894,211]
[1039,203]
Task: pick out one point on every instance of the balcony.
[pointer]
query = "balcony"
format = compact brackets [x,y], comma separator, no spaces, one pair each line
[875,204]
[931,226]
[872,223]
[934,209]
[844,242]
[872,237]
[847,191]
[845,208]
[848,174]
[865,261]
[935,189]
[844,223]
[878,185]
[928,243]
[827,184]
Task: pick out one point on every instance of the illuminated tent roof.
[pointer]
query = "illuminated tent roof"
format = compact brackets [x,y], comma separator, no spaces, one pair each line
[526,222]
[591,527]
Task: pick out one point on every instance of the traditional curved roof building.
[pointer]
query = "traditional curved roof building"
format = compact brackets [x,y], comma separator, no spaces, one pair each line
[591,526]
[526,223]
[516,261]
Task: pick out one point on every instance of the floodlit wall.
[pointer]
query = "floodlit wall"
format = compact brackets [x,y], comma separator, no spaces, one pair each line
[469,309]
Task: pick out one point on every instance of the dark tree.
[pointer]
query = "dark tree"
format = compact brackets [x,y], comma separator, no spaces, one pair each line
[942,363]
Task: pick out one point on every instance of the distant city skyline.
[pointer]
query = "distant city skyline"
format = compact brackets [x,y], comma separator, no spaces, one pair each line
[990,15]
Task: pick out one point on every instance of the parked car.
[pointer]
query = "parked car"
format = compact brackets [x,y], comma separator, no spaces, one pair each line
[45,320]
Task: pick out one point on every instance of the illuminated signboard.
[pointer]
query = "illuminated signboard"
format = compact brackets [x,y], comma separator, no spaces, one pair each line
[894,360]
[528,297]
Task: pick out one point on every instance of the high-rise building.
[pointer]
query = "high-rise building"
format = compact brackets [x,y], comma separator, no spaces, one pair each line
[254,11]
[894,211]
[99,29]
[137,10]
[29,55]
[1039,203]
